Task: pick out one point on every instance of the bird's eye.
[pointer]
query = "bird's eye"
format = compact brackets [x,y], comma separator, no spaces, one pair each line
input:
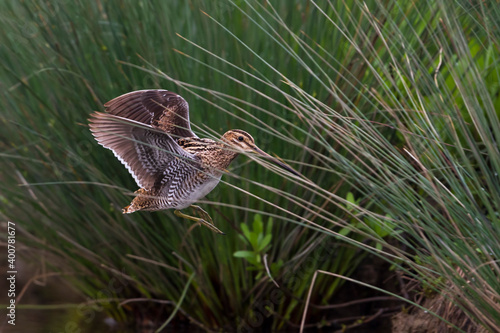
[240,138]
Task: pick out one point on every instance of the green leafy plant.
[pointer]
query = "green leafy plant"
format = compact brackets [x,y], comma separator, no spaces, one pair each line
[379,228]
[259,240]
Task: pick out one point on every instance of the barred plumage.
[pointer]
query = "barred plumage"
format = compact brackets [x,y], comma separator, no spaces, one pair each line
[150,133]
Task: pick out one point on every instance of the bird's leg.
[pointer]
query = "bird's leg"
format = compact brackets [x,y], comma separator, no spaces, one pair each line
[203,214]
[205,219]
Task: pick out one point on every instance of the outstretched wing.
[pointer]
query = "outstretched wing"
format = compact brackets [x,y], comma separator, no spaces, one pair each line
[161,109]
[144,150]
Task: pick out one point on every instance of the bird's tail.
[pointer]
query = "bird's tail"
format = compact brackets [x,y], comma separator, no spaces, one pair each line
[143,201]
[128,209]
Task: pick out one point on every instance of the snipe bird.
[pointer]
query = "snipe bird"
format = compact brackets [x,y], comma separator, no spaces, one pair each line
[150,133]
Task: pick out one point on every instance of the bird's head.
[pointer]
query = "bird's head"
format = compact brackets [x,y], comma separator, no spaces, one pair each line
[241,140]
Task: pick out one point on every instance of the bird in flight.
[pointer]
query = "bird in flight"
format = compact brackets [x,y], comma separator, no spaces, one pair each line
[150,133]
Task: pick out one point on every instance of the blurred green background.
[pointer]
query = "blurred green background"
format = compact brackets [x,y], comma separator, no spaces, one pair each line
[388,108]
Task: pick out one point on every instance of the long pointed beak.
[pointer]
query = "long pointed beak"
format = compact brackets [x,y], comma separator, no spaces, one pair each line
[275,161]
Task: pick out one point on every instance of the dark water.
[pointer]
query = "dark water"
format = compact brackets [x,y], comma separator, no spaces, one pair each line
[57,321]
[69,319]
[64,321]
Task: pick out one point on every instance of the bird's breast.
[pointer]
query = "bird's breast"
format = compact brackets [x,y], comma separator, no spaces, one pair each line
[199,192]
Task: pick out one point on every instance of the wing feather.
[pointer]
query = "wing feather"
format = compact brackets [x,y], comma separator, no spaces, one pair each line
[161,109]
[144,150]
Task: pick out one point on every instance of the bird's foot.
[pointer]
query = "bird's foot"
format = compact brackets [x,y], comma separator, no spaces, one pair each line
[204,218]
